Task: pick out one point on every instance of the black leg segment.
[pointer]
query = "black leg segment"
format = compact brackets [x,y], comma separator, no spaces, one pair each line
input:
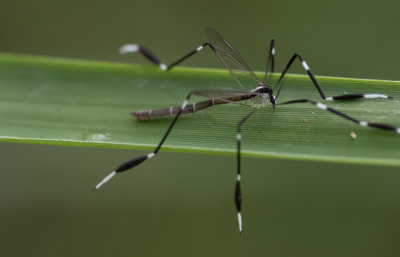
[132,163]
[345,116]
[238,192]
[131,48]
[270,60]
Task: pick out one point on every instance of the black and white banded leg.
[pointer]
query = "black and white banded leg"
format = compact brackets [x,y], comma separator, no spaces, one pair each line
[184,108]
[270,60]
[131,48]
[279,83]
[345,116]
[238,192]
[132,163]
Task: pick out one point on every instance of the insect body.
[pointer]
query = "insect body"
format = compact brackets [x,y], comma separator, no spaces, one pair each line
[261,95]
[258,97]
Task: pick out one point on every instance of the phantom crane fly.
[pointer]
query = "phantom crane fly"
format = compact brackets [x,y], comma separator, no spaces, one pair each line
[261,95]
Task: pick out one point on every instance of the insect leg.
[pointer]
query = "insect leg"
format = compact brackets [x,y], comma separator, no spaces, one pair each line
[238,193]
[279,84]
[134,162]
[131,48]
[357,96]
[345,116]
[270,60]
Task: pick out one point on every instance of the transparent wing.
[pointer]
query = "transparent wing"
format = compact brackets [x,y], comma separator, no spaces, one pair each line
[209,93]
[222,95]
[230,57]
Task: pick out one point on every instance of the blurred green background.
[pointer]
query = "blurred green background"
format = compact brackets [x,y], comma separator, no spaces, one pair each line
[182,204]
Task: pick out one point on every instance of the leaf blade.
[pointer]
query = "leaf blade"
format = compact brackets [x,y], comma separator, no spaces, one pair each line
[87,103]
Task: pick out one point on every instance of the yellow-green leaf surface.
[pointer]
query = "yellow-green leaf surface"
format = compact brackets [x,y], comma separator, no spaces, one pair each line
[88,103]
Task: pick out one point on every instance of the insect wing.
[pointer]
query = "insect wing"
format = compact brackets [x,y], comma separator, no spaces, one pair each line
[230,57]
[217,93]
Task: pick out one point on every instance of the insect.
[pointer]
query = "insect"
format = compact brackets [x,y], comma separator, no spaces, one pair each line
[260,96]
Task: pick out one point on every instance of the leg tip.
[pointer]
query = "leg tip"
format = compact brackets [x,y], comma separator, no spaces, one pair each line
[129,48]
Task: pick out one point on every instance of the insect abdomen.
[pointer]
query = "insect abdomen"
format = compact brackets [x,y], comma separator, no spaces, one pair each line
[158,113]
[190,108]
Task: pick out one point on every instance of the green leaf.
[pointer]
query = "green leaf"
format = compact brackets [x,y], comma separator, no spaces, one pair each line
[88,103]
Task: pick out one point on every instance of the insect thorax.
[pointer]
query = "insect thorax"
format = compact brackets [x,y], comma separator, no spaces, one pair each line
[261,96]
[259,100]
